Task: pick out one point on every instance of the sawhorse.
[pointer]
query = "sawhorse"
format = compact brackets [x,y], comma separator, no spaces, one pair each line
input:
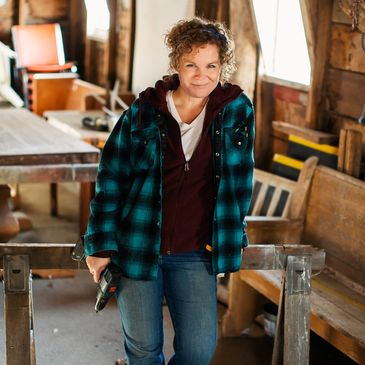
[291,346]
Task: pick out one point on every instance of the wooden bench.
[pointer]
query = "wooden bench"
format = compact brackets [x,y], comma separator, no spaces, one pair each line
[276,215]
[334,221]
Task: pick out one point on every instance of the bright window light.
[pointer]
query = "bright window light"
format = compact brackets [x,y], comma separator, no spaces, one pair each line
[98,19]
[282,38]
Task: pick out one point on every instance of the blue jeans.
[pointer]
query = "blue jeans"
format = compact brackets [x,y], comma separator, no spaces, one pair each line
[187,282]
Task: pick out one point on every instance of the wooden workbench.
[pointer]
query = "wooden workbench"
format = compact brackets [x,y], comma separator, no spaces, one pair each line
[33,151]
[70,122]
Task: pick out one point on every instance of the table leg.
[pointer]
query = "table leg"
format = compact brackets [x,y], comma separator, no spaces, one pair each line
[87,192]
[9,226]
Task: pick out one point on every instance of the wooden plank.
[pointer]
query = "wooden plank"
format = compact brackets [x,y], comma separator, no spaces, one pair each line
[261,257]
[290,112]
[297,310]
[339,198]
[310,134]
[243,29]
[24,137]
[346,92]
[264,115]
[70,122]
[298,206]
[319,18]
[341,150]
[17,310]
[112,41]
[48,173]
[346,52]
[352,159]
[339,324]
[274,257]
[339,123]
[125,46]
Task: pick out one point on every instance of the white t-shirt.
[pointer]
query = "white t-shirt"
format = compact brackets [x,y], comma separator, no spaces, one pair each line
[190,133]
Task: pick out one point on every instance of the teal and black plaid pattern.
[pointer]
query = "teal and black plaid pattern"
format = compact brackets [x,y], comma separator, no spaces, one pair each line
[235,185]
[125,214]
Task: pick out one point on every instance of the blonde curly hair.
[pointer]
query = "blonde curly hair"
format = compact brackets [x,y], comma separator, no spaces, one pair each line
[188,33]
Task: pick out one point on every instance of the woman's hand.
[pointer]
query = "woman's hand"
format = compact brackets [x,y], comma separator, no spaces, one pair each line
[96,265]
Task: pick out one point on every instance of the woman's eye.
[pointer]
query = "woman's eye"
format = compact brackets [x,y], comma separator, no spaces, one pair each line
[189,65]
[212,66]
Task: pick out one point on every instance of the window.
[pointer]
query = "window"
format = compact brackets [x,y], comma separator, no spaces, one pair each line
[282,38]
[98,19]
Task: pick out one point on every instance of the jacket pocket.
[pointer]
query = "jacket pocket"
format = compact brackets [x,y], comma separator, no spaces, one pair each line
[235,143]
[145,147]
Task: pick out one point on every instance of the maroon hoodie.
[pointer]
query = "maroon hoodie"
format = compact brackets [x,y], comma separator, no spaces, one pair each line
[187,188]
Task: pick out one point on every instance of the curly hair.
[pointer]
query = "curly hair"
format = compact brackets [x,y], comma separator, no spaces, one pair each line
[188,33]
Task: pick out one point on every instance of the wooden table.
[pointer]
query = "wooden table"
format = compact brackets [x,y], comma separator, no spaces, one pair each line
[31,150]
[70,122]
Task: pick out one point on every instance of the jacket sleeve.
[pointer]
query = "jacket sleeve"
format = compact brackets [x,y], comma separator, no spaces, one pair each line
[112,185]
[249,163]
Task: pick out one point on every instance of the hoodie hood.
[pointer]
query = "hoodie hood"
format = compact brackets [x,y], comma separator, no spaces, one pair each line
[218,99]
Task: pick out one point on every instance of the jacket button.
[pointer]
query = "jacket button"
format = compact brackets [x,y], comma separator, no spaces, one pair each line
[239,143]
[217,131]
[217,176]
[217,154]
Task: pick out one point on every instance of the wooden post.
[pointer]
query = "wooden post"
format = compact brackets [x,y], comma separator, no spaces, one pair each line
[17,310]
[349,154]
[297,310]
[278,351]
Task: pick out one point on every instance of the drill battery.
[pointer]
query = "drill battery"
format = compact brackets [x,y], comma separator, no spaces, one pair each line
[107,286]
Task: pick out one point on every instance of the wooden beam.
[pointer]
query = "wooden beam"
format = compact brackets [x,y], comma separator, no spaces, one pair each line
[19,174]
[258,257]
[125,43]
[243,28]
[265,112]
[320,16]
[112,42]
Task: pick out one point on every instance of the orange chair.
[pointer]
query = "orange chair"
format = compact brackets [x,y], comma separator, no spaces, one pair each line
[39,49]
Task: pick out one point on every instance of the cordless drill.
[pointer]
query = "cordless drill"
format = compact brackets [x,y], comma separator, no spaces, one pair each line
[109,278]
[107,285]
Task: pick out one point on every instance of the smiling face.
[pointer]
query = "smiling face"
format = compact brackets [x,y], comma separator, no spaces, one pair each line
[199,71]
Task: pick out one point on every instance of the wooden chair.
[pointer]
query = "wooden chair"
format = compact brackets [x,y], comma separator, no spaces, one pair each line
[39,49]
[6,91]
[276,215]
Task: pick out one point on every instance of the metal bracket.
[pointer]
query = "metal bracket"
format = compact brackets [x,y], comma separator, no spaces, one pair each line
[299,271]
[16,273]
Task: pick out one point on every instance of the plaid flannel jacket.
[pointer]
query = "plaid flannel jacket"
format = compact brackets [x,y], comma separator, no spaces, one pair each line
[125,215]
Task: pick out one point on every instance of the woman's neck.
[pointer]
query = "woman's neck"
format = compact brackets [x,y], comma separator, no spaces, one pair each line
[181,98]
[187,106]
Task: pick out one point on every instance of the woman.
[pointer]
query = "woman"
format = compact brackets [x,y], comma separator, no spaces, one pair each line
[173,188]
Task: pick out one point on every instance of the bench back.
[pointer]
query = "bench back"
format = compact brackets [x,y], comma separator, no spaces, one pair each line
[276,196]
[335,221]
